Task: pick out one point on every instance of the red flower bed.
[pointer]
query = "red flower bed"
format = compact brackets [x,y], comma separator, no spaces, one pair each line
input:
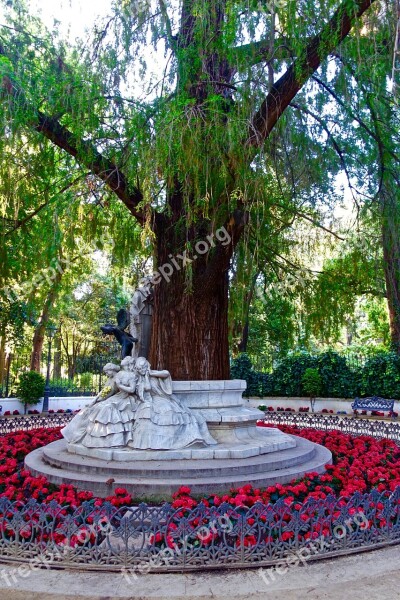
[360,463]
[17,484]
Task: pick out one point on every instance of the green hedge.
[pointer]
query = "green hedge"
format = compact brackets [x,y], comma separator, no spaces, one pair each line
[379,376]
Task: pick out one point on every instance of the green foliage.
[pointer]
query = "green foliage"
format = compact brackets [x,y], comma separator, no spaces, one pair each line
[312,382]
[30,388]
[183,128]
[62,387]
[86,380]
[381,376]
[258,384]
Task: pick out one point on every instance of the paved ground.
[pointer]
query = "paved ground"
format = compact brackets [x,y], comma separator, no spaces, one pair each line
[374,575]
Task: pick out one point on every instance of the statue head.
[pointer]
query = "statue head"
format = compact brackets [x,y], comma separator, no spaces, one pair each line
[142,365]
[128,363]
[111,369]
[145,284]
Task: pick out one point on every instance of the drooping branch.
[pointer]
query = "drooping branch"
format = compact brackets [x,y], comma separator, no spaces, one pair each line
[258,52]
[21,222]
[171,38]
[87,155]
[299,72]
[82,150]
[335,144]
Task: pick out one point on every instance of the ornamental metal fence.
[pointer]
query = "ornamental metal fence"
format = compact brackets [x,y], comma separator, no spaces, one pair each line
[136,540]
[349,425]
[139,539]
[30,422]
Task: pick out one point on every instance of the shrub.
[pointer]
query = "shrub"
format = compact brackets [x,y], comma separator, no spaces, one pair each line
[86,381]
[312,382]
[338,380]
[258,384]
[30,388]
[381,376]
[287,377]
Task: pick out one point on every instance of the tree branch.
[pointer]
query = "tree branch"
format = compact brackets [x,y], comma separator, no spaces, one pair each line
[87,155]
[82,150]
[299,72]
[335,145]
[172,39]
[22,222]
[257,52]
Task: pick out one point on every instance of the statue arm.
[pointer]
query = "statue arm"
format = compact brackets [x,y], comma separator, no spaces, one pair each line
[127,389]
[160,374]
[112,388]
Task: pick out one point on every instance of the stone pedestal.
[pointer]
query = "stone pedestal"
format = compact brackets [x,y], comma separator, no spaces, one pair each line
[244,454]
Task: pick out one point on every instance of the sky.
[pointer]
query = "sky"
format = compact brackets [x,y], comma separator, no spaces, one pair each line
[74,15]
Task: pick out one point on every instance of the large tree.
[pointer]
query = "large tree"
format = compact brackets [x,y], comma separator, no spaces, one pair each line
[195,156]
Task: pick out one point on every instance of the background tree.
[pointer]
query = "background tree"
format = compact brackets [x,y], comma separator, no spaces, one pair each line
[195,156]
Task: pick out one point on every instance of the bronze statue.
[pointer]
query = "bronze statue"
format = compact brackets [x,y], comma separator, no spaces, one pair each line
[123,337]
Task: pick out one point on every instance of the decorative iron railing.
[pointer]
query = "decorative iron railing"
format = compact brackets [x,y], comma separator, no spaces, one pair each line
[29,422]
[138,539]
[350,425]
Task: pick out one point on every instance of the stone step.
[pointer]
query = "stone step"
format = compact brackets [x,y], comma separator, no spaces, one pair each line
[233,442]
[56,455]
[158,489]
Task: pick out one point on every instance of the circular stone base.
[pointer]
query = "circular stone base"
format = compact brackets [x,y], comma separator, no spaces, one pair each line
[244,453]
[151,477]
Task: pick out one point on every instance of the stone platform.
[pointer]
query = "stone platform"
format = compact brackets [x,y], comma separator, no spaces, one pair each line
[244,453]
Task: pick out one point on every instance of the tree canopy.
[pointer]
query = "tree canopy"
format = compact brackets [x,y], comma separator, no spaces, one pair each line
[191,116]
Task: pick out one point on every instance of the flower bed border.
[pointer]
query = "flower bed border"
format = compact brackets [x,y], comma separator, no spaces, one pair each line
[166,539]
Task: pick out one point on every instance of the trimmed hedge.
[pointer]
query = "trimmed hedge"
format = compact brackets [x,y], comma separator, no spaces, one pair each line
[379,376]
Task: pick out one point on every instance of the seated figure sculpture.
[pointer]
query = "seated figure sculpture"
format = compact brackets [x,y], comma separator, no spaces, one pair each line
[76,429]
[110,422]
[107,422]
[137,410]
[161,422]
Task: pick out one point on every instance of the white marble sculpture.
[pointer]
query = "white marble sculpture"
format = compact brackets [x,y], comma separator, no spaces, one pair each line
[137,410]
[161,422]
[76,429]
[107,422]
[141,318]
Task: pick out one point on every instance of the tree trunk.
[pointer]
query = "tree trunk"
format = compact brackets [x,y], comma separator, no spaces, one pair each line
[190,326]
[57,356]
[40,331]
[391,254]
[190,331]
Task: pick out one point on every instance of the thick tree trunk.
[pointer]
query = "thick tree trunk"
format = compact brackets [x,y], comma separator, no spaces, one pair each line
[391,255]
[190,318]
[190,330]
[37,344]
